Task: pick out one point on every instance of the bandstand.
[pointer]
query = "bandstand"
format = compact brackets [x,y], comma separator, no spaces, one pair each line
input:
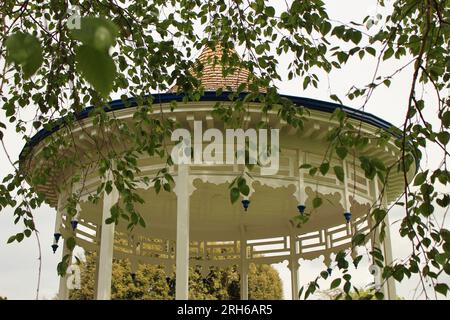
[196,224]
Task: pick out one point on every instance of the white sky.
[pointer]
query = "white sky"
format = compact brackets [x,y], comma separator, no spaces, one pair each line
[19,264]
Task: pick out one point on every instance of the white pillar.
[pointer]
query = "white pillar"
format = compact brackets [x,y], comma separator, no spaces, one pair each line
[63,291]
[346,202]
[182,246]
[59,214]
[97,261]
[293,267]
[106,249]
[301,184]
[388,289]
[244,270]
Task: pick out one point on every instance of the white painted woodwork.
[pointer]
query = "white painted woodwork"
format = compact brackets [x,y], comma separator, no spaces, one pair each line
[182,244]
[106,245]
[244,270]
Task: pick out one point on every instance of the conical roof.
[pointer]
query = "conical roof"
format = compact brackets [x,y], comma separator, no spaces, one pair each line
[212,77]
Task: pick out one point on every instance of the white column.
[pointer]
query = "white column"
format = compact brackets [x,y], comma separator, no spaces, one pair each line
[244,270]
[301,185]
[293,267]
[97,260]
[105,258]
[63,291]
[388,289]
[182,246]
[389,285]
[59,214]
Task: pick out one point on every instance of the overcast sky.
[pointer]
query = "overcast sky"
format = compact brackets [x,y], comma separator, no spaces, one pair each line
[19,264]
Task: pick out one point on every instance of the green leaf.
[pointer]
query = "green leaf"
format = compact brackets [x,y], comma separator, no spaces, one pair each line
[442,288]
[11,239]
[377,163]
[361,54]
[244,189]
[347,287]
[342,57]
[388,53]
[109,220]
[142,222]
[324,167]
[108,187]
[379,214]
[446,247]
[420,178]
[371,51]
[62,268]
[157,186]
[379,295]
[167,187]
[270,11]
[443,137]
[447,268]
[260,49]
[70,243]
[440,258]
[97,68]
[341,152]
[234,194]
[325,28]
[19,237]
[335,98]
[25,50]
[446,119]
[339,172]
[312,171]
[398,275]
[357,260]
[356,37]
[306,82]
[96,32]
[358,239]
[317,202]
[335,283]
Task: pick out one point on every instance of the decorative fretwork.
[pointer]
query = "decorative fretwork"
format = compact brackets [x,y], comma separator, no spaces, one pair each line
[225,253]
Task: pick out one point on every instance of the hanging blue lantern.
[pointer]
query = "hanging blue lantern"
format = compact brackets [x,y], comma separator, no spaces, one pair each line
[245,204]
[57,236]
[347,216]
[74,224]
[301,208]
[329,270]
[54,247]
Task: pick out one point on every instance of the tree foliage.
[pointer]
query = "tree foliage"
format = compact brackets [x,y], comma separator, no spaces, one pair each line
[54,67]
[151,283]
[357,294]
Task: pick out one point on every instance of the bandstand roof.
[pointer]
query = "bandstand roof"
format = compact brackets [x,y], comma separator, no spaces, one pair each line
[119,104]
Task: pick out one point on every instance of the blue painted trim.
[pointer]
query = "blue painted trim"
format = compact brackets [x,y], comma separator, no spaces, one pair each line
[212,96]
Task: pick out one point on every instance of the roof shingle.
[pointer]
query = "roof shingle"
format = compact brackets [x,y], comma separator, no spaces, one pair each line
[212,78]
